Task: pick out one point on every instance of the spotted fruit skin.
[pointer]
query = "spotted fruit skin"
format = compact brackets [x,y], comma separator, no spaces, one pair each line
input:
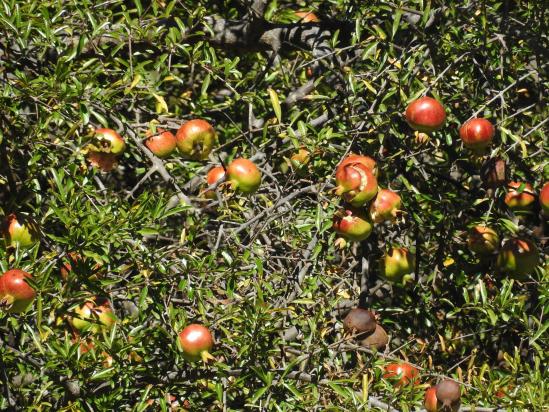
[15,291]
[20,231]
[162,144]
[110,142]
[196,139]
[477,134]
[544,199]
[385,206]
[483,240]
[352,224]
[356,183]
[396,264]
[195,340]
[520,201]
[244,176]
[430,401]
[93,317]
[404,371]
[518,258]
[425,115]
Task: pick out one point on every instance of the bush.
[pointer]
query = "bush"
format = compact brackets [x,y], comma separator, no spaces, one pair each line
[265,271]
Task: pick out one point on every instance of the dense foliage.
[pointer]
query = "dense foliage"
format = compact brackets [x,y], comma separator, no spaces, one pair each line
[265,271]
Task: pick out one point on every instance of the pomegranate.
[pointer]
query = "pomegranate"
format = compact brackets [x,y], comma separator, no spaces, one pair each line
[307,16]
[356,183]
[425,115]
[385,206]
[196,139]
[196,342]
[243,175]
[448,395]
[16,294]
[162,144]
[397,264]
[378,339]
[518,258]
[214,175]
[360,322]
[105,162]
[19,230]
[431,399]
[494,173]
[93,317]
[520,200]
[356,158]
[544,199]
[477,134]
[401,374]
[109,142]
[483,240]
[352,224]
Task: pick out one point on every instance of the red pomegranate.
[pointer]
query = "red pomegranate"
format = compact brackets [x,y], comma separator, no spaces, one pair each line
[15,293]
[214,175]
[430,402]
[244,176]
[401,374]
[162,144]
[196,341]
[356,184]
[483,240]
[356,158]
[109,141]
[477,134]
[385,206]
[196,139]
[520,200]
[353,224]
[425,115]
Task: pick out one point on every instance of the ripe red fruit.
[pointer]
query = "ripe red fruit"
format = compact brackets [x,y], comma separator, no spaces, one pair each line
[214,176]
[477,134]
[431,399]
[385,206]
[109,142]
[356,158]
[544,199]
[93,317]
[397,264]
[518,258]
[448,395]
[360,322]
[243,175]
[196,342]
[405,373]
[196,139]
[15,292]
[517,200]
[356,183]
[353,224]
[162,144]
[425,115]
[483,240]
[20,230]
[307,16]
[103,161]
